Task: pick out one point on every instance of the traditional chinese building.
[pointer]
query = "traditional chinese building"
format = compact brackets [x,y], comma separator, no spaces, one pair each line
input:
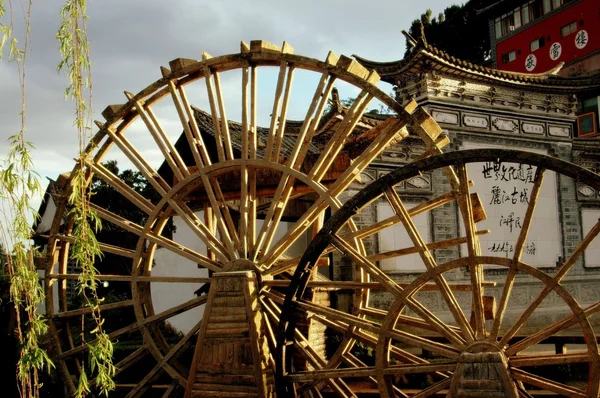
[538,35]
[480,107]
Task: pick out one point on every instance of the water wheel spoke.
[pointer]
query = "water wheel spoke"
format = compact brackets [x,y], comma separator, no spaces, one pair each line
[157,239]
[313,117]
[248,152]
[186,118]
[368,231]
[105,247]
[521,390]
[274,214]
[395,289]
[473,248]
[272,320]
[227,227]
[337,315]
[430,263]
[295,161]
[128,193]
[172,387]
[368,339]
[421,208]
[433,389]
[406,320]
[546,384]
[201,229]
[545,360]
[552,329]
[335,144]
[142,386]
[421,342]
[279,113]
[190,125]
[305,349]
[443,244]
[166,314]
[167,149]
[281,246]
[353,361]
[217,111]
[156,180]
[252,141]
[372,371]
[113,335]
[390,130]
[512,272]
[560,274]
[89,310]
[130,360]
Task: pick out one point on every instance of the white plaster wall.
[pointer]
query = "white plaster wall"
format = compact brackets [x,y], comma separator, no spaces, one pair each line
[396,237]
[543,244]
[41,308]
[167,263]
[589,218]
[45,222]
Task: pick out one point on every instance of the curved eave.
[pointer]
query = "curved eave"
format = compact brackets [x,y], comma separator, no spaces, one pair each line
[547,81]
[384,69]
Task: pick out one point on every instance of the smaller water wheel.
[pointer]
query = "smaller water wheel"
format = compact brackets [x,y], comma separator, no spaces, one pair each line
[487,340]
[245,199]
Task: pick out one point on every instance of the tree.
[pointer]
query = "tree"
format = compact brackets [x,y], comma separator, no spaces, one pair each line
[459,31]
[19,184]
[107,197]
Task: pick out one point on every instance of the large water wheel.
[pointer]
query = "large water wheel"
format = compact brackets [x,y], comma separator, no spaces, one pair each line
[248,196]
[202,279]
[488,341]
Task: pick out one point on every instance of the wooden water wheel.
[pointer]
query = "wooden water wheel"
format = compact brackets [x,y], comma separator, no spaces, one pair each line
[487,340]
[247,197]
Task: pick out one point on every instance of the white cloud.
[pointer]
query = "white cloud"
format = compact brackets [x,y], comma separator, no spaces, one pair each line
[131,39]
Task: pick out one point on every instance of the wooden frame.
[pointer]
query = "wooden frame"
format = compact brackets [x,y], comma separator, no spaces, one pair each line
[583,125]
[256,315]
[476,358]
[202,166]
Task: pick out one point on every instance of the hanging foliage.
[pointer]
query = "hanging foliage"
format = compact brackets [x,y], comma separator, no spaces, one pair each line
[19,184]
[74,50]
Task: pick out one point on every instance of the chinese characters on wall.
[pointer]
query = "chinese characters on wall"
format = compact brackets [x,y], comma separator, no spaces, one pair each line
[505,190]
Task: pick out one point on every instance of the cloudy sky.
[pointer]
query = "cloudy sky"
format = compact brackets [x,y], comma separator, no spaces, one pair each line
[131,39]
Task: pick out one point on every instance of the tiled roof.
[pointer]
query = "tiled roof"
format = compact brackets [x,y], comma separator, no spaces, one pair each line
[330,123]
[205,123]
[425,57]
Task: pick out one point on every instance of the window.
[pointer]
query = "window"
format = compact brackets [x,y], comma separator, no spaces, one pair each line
[549,5]
[592,252]
[586,124]
[508,57]
[517,18]
[523,15]
[568,29]
[537,44]
[535,10]
[590,105]
[546,6]
[587,118]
